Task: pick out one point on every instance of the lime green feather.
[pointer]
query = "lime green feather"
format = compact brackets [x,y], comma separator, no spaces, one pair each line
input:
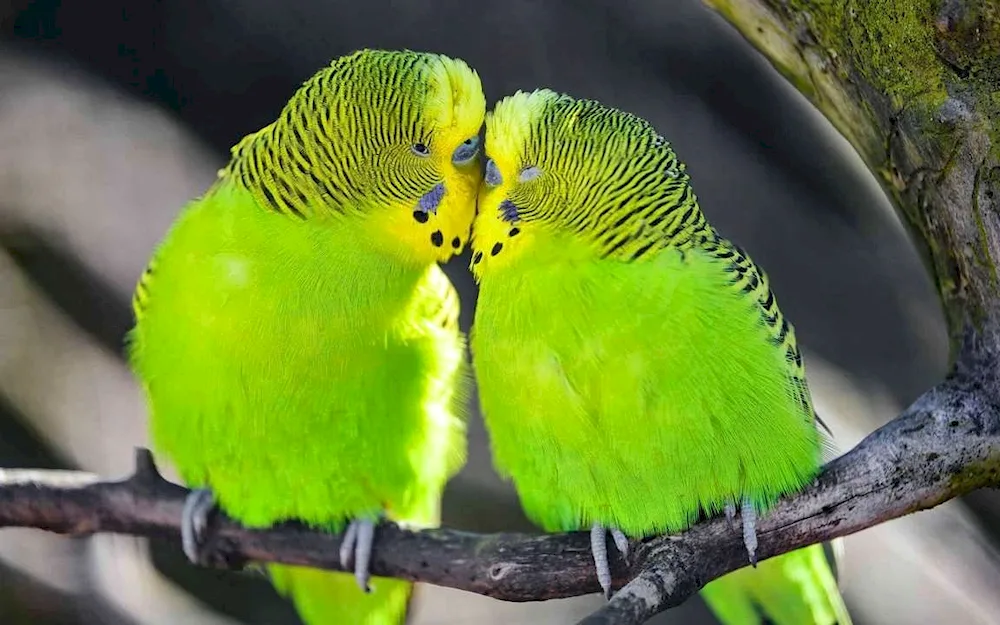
[300,375]
[322,597]
[790,589]
[633,366]
[268,353]
[297,343]
[613,397]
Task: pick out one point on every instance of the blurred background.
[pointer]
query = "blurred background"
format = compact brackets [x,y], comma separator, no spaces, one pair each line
[113,113]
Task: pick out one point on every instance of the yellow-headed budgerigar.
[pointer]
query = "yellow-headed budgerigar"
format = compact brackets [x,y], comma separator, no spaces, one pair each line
[633,367]
[298,343]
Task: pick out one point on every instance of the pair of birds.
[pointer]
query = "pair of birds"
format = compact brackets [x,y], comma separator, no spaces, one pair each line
[300,352]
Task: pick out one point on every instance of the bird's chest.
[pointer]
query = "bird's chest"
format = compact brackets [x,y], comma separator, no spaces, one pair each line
[582,338]
[283,315]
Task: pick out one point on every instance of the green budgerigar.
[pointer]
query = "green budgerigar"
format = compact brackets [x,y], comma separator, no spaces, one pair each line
[298,343]
[633,367]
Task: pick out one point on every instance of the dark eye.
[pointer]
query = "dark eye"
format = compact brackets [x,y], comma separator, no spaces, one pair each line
[420,149]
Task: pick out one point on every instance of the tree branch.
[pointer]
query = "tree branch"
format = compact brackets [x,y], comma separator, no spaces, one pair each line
[915,88]
[945,445]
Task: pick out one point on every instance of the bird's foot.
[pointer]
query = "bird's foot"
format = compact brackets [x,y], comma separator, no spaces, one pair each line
[357,546]
[748,517]
[731,515]
[198,506]
[599,549]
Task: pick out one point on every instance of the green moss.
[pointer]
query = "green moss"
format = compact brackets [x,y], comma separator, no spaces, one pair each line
[993,114]
[977,475]
[890,42]
[968,40]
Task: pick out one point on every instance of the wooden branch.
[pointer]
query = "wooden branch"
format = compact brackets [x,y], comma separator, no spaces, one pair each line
[945,445]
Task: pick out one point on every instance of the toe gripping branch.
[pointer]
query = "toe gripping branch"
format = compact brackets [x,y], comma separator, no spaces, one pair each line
[200,510]
[748,517]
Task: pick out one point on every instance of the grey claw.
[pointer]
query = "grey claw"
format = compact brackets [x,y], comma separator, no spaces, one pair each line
[194,523]
[347,545]
[599,549]
[363,553]
[731,514]
[357,546]
[749,514]
[621,541]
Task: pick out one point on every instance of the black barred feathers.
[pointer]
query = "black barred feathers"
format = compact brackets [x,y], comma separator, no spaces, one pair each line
[612,178]
[341,140]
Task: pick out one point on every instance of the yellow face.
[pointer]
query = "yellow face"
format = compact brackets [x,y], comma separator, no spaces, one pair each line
[572,179]
[500,235]
[497,238]
[443,162]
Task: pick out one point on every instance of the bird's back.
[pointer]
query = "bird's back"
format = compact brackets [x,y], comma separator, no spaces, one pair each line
[645,392]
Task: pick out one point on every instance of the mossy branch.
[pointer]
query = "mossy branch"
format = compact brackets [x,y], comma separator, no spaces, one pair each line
[914,86]
[945,445]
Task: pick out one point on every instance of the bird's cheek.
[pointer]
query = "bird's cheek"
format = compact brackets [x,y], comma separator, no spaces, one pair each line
[490,226]
[454,217]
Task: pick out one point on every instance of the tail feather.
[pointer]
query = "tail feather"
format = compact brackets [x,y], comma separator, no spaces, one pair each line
[328,598]
[797,588]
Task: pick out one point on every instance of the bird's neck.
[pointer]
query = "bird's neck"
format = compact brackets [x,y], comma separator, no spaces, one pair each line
[639,228]
[335,263]
[290,168]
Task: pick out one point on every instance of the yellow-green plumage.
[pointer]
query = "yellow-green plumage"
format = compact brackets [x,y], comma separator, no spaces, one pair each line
[633,367]
[297,342]
[794,588]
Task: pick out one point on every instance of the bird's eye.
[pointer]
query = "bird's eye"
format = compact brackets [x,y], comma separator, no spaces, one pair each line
[420,149]
[529,173]
[466,152]
[493,177]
